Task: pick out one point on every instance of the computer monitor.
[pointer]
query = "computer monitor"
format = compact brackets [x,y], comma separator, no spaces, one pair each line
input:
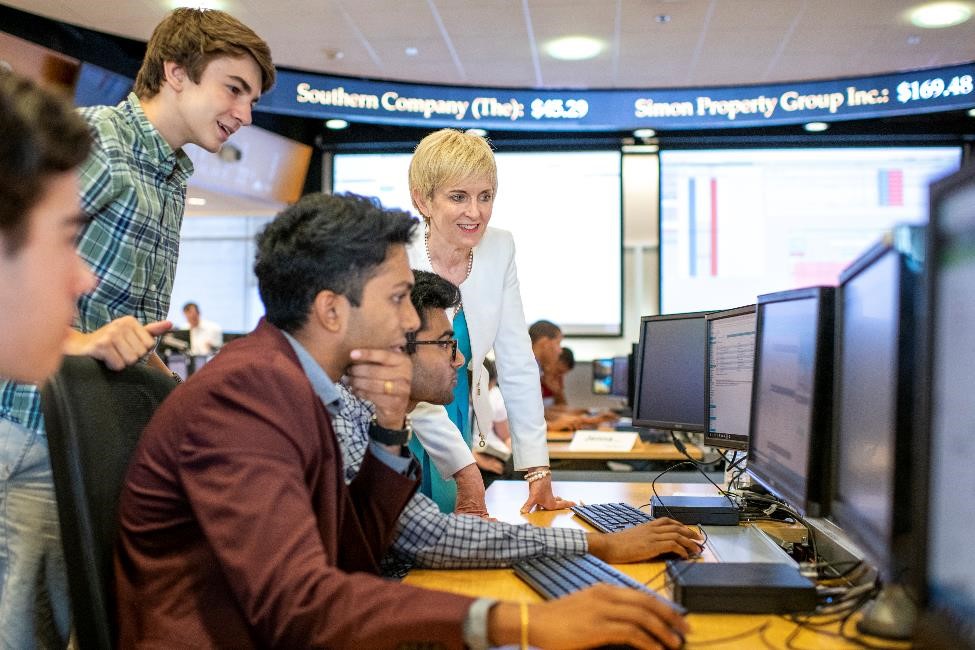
[728,394]
[230,336]
[946,506]
[602,376]
[173,341]
[669,391]
[789,429]
[876,342]
[631,375]
[620,386]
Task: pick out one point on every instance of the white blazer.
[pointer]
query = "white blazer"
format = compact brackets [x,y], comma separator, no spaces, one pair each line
[495,319]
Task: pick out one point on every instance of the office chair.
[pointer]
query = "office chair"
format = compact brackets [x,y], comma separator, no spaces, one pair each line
[94,417]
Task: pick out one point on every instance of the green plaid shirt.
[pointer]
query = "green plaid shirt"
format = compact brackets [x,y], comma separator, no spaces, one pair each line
[133,189]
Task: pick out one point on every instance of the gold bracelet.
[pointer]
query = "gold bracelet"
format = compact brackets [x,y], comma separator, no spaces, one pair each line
[524,626]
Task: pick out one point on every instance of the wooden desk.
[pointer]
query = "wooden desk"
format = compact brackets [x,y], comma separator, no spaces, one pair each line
[707,630]
[641,451]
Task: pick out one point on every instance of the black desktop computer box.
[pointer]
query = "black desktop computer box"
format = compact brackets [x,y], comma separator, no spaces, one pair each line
[710,511]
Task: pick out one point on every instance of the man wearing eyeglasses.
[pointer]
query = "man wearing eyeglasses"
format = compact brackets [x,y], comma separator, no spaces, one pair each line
[427,537]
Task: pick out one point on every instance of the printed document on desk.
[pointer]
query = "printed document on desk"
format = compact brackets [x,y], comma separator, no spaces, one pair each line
[598,440]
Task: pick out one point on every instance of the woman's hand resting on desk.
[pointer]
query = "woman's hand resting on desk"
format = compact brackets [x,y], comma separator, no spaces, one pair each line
[540,496]
[597,616]
[646,542]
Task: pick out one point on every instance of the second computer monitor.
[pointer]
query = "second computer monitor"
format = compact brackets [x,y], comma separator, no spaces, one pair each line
[728,395]
[670,368]
[621,377]
[789,433]
[877,304]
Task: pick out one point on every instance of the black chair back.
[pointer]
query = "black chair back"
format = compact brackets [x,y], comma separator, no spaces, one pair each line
[94,417]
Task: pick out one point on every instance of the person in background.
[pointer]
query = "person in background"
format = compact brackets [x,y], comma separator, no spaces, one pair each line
[546,339]
[239,527]
[206,337]
[453,180]
[201,74]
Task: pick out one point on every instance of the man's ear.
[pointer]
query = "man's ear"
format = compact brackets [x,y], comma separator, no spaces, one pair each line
[330,310]
[175,75]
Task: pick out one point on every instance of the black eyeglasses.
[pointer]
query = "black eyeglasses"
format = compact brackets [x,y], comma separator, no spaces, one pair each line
[444,344]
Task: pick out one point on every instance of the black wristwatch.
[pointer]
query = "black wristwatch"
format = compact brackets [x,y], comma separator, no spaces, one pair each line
[386,436]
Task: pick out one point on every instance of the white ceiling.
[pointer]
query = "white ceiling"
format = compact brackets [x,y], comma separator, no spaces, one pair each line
[499,42]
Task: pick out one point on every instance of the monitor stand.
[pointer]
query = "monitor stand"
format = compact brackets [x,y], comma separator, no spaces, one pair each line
[891,615]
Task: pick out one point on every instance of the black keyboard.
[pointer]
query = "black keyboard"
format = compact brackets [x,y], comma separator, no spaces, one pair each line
[554,577]
[611,517]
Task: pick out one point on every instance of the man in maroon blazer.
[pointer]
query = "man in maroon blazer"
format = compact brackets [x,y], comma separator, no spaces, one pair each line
[237,528]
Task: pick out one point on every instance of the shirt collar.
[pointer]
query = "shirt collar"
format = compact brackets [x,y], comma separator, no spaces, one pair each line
[324,387]
[160,153]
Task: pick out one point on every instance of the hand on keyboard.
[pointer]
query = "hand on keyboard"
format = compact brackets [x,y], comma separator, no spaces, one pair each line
[603,615]
[646,542]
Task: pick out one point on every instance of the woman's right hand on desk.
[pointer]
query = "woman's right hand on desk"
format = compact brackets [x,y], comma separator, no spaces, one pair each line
[599,615]
[646,542]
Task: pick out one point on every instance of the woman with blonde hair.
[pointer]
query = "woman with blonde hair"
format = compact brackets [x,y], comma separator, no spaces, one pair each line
[453,181]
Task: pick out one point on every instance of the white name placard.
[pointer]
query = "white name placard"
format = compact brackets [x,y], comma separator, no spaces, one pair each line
[596,440]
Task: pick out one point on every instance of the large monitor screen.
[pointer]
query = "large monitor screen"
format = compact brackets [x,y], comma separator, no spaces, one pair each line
[735,224]
[669,391]
[790,416]
[731,357]
[564,210]
[950,504]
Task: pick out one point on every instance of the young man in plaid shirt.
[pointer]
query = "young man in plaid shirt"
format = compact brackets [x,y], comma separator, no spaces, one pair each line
[202,73]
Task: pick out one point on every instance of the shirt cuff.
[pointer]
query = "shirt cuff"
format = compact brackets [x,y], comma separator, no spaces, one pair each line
[399,464]
[476,624]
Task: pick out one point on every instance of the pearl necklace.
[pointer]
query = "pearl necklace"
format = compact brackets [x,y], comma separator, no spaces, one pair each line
[470,264]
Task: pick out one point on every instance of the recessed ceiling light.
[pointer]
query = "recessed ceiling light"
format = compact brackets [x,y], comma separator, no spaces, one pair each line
[478,132]
[913,40]
[935,15]
[199,4]
[662,18]
[644,133]
[816,127]
[336,124]
[195,200]
[411,51]
[574,48]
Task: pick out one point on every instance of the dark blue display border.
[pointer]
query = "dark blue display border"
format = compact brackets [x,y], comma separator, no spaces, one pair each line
[404,104]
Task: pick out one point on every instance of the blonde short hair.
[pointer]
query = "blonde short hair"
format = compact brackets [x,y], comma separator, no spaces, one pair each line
[450,155]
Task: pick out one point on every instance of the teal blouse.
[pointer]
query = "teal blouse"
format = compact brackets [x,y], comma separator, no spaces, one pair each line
[444,492]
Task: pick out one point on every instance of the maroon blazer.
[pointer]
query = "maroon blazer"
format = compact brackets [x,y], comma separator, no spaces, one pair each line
[238,531]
